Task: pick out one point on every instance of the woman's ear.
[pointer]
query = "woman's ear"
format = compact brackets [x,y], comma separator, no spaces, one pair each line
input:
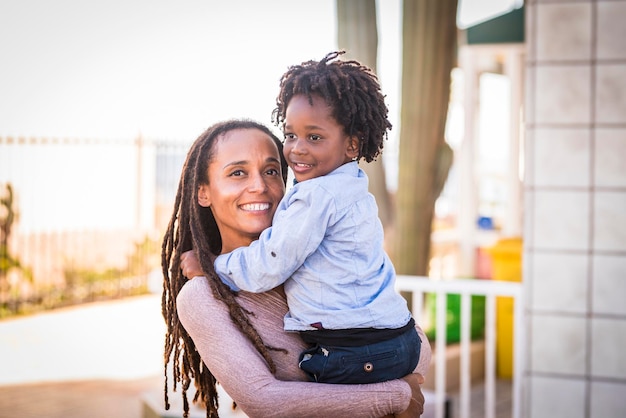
[352,152]
[204,197]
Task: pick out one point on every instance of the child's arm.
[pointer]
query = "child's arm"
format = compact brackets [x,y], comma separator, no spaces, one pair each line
[296,232]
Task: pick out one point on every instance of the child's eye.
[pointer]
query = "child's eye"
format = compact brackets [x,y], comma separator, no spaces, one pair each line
[315,137]
[289,137]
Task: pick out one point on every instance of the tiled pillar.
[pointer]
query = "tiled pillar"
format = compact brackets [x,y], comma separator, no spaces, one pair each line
[575,209]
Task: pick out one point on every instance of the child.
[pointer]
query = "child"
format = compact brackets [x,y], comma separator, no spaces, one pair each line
[326,241]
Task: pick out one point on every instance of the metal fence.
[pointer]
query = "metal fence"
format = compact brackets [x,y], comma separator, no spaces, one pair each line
[82,218]
[491,290]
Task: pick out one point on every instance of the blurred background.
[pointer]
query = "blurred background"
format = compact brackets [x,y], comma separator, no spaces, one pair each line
[99,102]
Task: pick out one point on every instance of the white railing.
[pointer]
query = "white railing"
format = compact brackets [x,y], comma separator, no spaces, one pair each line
[467,288]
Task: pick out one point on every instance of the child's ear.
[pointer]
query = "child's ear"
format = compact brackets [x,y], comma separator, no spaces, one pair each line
[352,151]
[204,197]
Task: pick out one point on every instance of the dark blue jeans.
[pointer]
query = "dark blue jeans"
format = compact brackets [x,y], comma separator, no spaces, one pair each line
[378,362]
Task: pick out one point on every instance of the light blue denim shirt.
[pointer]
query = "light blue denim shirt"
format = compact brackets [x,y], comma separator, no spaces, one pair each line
[326,245]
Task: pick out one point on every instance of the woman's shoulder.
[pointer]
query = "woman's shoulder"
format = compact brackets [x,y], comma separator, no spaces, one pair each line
[207,318]
[193,291]
[194,299]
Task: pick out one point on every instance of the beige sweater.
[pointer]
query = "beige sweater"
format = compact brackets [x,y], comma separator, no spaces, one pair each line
[244,375]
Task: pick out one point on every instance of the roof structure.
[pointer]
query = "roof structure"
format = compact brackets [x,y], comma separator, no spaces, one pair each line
[506,28]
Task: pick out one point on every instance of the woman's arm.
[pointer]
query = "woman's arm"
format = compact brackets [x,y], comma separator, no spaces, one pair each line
[245,376]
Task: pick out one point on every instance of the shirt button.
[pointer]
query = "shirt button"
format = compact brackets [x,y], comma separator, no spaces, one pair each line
[368,367]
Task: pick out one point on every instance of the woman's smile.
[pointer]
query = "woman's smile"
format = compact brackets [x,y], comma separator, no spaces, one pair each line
[255,207]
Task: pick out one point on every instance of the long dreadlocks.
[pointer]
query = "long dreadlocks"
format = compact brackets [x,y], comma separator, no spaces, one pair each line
[193,226]
[350,89]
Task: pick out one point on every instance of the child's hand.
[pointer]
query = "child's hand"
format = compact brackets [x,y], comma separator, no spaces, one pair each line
[190,265]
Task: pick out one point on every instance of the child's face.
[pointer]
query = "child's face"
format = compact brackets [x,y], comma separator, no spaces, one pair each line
[315,144]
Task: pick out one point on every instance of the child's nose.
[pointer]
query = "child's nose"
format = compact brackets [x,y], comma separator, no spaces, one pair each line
[299,146]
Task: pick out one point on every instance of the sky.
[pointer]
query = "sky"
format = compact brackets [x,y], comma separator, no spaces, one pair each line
[164,69]
[117,68]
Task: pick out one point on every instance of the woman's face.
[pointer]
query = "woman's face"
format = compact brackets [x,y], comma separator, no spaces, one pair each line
[245,186]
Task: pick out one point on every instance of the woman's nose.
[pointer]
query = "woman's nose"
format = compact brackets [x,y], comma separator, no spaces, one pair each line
[257,183]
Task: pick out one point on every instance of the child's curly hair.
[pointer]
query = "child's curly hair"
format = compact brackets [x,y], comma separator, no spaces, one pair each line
[351,90]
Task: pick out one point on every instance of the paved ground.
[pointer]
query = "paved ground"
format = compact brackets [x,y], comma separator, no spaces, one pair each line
[85,398]
[97,360]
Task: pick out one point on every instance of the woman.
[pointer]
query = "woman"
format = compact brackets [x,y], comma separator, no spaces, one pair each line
[232,181]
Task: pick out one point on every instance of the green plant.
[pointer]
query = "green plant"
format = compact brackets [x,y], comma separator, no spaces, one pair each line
[8,215]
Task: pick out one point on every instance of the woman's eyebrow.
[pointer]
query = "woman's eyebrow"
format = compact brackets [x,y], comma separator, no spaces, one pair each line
[245,162]
[235,163]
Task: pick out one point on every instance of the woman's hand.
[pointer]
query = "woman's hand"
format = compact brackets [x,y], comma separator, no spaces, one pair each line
[416,406]
[190,265]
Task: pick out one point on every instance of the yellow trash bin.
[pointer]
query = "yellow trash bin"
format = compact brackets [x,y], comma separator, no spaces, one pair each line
[506,259]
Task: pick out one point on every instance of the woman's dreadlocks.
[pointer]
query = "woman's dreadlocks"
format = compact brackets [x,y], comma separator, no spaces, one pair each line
[193,226]
[350,89]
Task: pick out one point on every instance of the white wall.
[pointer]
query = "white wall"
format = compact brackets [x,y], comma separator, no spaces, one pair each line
[575,208]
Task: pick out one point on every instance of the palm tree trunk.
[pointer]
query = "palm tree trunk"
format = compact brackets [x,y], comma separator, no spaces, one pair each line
[357,33]
[429,47]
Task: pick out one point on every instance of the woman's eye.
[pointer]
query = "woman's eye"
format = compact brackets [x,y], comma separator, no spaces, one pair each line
[273,172]
[237,173]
